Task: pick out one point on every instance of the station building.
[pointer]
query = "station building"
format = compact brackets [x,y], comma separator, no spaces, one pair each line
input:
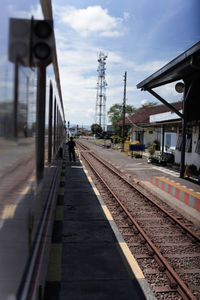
[186,68]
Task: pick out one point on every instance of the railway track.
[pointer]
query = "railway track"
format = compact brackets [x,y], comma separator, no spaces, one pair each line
[165,248]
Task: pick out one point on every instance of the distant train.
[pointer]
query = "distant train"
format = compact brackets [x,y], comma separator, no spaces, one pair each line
[32,137]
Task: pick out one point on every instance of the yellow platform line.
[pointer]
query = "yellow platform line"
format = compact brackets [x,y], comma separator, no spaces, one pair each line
[123,246]
[131,260]
[32,179]
[54,267]
[107,212]
[89,179]
[96,191]
[25,190]
[8,212]
[179,186]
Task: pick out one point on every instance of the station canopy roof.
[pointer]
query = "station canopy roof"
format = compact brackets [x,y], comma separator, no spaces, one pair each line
[183,67]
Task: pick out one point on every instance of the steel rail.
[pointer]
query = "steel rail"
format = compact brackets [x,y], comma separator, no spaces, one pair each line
[190,232]
[175,281]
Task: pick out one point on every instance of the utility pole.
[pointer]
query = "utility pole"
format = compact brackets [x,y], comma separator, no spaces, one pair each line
[123,113]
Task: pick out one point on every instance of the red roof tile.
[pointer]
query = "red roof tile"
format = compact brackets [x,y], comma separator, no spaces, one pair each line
[142,116]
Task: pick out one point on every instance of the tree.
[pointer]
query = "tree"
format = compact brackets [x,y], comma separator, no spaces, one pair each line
[96,129]
[115,115]
[148,104]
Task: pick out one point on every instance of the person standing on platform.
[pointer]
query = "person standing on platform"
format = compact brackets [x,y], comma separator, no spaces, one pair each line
[71,146]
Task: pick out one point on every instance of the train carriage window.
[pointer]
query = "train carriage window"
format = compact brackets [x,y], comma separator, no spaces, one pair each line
[50,123]
[54,128]
[57,139]
[46,124]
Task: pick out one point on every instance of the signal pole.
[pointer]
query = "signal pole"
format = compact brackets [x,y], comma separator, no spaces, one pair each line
[40,128]
[16,96]
[123,113]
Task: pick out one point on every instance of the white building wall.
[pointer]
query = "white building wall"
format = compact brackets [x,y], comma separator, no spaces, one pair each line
[148,138]
[170,115]
[132,134]
[191,158]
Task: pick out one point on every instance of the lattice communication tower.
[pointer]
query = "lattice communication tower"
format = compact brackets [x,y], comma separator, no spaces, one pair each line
[100,114]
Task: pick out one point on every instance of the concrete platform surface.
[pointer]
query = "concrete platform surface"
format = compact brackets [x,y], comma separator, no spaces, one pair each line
[89,258]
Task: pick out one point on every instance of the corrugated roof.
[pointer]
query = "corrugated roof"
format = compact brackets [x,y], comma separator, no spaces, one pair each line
[142,116]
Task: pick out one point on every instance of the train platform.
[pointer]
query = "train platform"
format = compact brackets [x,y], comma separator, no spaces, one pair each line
[181,194]
[89,258]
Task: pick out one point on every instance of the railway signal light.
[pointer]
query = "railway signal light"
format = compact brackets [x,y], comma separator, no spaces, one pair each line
[31,42]
[42,40]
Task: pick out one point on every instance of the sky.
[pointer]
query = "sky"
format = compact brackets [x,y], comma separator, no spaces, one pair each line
[138,36]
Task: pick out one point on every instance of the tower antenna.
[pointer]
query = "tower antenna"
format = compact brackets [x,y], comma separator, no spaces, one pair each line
[100,113]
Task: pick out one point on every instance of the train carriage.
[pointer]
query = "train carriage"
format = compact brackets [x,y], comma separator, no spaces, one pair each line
[32,132]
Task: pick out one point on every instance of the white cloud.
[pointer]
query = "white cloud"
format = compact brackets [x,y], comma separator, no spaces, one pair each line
[79,77]
[78,70]
[92,20]
[36,12]
[168,92]
[78,65]
[147,67]
[126,15]
[144,101]
[77,57]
